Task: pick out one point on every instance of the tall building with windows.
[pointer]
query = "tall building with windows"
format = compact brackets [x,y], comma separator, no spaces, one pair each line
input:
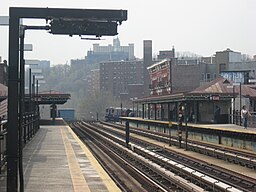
[147,61]
[172,76]
[114,52]
[118,77]
[93,81]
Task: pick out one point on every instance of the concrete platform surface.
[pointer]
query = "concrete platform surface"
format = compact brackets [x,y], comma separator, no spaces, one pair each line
[55,160]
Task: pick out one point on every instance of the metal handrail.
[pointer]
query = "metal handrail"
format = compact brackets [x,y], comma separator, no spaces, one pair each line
[3,134]
[251,120]
[30,126]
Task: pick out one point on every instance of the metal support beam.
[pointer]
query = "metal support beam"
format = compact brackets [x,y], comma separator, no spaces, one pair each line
[143,111]
[240,103]
[168,111]
[148,111]
[13,107]
[155,110]
[48,13]
[30,90]
[127,133]
[33,93]
[21,106]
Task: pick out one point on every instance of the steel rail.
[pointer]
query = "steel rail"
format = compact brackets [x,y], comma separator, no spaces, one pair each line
[228,154]
[101,151]
[242,182]
[163,181]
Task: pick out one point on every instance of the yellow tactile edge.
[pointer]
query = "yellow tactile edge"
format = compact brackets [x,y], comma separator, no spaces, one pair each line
[78,180]
[110,184]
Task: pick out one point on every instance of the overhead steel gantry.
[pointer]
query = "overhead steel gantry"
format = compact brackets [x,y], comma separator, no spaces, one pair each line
[62,21]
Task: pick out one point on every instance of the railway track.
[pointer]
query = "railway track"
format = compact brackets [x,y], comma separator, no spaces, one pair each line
[108,160]
[209,176]
[228,154]
[140,174]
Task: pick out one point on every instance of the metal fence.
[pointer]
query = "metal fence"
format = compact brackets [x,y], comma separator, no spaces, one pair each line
[30,126]
[251,120]
[3,134]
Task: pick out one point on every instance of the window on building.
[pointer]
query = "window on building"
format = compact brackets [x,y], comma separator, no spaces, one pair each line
[202,77]
[222,67]
[208,76]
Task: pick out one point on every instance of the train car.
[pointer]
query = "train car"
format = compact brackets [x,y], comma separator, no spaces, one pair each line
[113,113]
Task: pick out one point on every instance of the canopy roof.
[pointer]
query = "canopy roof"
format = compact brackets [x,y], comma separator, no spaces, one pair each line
[220,87]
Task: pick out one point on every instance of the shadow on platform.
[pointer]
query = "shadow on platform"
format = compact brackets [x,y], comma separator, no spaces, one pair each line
[57,121]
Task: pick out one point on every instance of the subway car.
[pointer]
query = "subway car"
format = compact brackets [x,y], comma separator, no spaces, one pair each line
[113,113]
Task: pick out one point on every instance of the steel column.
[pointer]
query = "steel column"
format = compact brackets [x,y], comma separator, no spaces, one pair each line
[21,107]
[143,111]
[155,111]
[34,105]
[148,111]
[13,105]
[127,133]
[168,113]
[240,103]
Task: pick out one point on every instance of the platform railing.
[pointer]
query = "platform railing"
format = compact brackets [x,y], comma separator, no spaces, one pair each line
[30,126]
[251,120]
[3,134]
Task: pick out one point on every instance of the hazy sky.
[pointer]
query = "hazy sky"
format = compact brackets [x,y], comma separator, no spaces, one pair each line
[199,26]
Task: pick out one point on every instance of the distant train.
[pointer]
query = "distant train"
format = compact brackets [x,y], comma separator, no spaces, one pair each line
[113,113]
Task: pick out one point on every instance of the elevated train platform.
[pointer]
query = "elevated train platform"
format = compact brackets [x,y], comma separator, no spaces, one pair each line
[229,135]
[56,160]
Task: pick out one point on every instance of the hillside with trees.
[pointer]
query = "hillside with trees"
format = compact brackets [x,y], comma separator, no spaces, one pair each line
[64,79]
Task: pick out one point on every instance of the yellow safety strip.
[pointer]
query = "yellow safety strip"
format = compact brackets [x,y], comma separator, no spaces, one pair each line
[109,183]
[78,180]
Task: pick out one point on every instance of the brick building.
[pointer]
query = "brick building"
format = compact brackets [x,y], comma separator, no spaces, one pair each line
[160,78]
[93,81]
[174,75]
[118,77]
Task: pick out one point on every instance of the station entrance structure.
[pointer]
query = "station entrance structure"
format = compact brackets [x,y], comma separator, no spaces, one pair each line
[62,21]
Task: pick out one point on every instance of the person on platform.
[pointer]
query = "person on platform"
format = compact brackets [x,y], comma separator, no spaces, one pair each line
[244,116]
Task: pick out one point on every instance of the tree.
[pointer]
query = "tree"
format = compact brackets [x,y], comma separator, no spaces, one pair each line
[96,104]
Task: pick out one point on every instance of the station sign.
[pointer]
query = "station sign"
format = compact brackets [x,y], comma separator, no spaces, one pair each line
[215,97]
